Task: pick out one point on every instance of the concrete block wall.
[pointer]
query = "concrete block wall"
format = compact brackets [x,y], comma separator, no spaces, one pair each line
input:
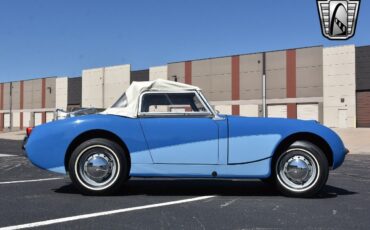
[158,72]
[16,95]
[6,96]
[61,93]
[49,92]
[299,81]
[116,81]
[37,93]
[339,84]
[309,71]
[29,97]
[92,88]
[276,75]
[101,87]
[251,77]
[292,77]
[176,70]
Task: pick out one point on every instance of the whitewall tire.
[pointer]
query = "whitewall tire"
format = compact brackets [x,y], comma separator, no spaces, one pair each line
[98,167]
[301,171]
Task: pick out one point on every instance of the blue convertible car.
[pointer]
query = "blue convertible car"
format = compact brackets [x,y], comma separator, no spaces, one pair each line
[168,129]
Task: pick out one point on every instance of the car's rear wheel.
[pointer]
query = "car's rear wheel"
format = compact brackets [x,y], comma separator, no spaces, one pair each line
[98,167]
[302,170]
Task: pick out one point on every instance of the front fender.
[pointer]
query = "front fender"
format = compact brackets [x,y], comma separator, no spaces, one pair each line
[255,139]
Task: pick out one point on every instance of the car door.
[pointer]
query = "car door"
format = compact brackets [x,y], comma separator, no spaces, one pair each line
[178,128]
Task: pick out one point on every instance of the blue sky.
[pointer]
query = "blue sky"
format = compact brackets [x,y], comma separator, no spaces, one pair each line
[40,38]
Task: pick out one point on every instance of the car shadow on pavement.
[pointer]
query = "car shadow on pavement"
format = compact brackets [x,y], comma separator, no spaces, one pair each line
[187,187]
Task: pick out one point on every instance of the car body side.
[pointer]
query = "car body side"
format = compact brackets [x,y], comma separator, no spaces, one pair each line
[246,145]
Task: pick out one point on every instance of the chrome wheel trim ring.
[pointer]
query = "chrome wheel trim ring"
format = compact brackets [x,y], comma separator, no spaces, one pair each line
[108,174]
[285,177]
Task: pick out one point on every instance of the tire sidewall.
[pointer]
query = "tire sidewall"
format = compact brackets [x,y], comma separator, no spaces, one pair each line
[121,160]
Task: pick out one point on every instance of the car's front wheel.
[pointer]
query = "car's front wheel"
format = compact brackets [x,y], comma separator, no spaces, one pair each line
[302,170]
[98,167]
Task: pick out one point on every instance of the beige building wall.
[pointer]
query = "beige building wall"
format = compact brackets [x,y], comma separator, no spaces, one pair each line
[16,95]
[276,75]
[101,87]
[251,77]
[15,100]
[27,94]
[339,84]
[116,81]
[309,71]
[32,99]
[36,93]
[202,77]
[50,92]
[6,96]
[213,76]
[176,70]
[61,93]
[92,88]
[158,72]
[221,80]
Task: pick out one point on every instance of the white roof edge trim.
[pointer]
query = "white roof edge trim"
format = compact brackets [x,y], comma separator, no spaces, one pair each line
[136,88]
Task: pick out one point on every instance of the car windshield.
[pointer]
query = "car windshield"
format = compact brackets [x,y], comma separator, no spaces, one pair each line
[121,102]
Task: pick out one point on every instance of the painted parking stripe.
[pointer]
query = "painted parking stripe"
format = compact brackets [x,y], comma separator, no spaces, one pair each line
[28,181]
[98,214]
[6,155]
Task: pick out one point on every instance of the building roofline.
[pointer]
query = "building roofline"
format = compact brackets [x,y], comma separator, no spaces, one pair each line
[240,54]
[38,78]
[363,46]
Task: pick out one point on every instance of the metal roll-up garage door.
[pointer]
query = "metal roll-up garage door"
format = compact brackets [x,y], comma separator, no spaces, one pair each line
[308,111]
[363,109]
[16,120]
[27,119]
[49,116]
[249,110]
[277,111]
[6,120]
[38,119]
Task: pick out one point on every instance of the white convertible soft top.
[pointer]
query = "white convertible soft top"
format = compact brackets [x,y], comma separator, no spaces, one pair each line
[129,101]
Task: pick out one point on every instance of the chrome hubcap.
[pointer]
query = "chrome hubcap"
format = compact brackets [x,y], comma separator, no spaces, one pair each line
[297,169]
[97,167]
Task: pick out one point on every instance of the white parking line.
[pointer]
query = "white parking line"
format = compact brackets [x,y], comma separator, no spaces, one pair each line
[97,214]
[6,155]
[27,181]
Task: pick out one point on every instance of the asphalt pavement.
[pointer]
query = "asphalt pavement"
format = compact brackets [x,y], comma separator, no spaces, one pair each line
[33,197]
